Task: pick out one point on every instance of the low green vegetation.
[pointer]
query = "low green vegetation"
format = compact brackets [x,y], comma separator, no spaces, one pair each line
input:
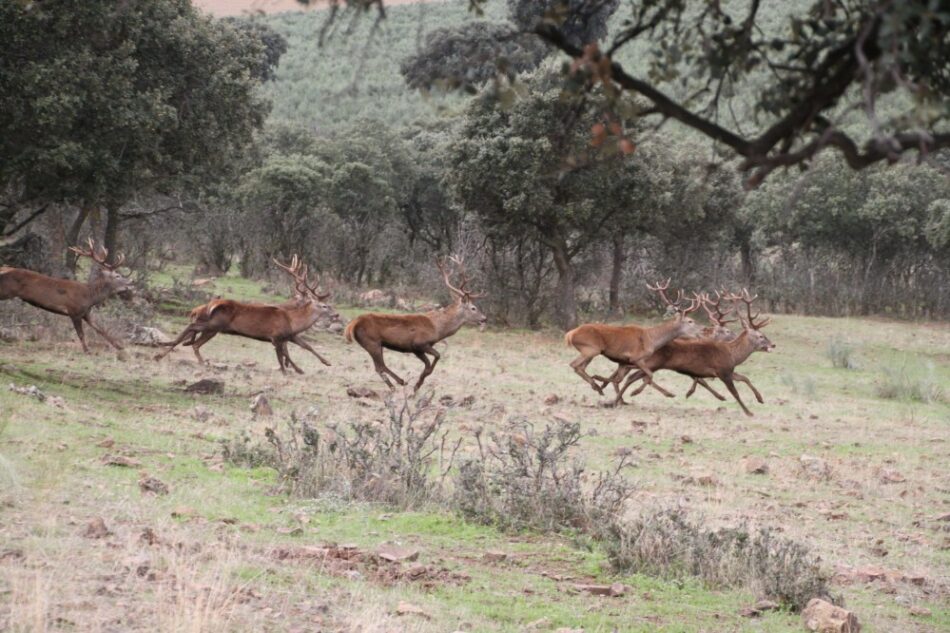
[233,521]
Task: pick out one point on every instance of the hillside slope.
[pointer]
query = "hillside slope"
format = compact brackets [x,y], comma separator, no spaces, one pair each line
[355,75]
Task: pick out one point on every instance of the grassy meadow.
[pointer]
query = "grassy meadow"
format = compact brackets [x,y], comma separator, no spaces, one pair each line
[223,551]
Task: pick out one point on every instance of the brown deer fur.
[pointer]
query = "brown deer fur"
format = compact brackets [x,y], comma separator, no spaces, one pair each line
[277,324]
[711,359]
[415,333]
[628,344]
[717,331]
[74,299]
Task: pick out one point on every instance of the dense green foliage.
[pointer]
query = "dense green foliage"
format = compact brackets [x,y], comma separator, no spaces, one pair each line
[470,55]
[508,168]
[879,237]
[564,201]
[800,74]
[101,101]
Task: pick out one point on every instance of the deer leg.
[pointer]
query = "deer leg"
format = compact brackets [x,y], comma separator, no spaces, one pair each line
[376,353]
[188,331]
[102,333]
[741,378]
[648,378]
[283,349]
[692,387]
[77,323]
[280,356]
[579,365]
[702,381]
[198,340]
[425,372]
[304,344]
[632,379]
[435,355]
[615,378]
[735,393]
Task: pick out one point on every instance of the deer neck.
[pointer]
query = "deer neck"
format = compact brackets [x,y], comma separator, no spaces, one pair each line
[447,321]
[302,316]
[665,332]
[100,288]
[740,348]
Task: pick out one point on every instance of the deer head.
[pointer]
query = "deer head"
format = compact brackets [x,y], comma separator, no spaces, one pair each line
[103,273]
[463,297]
[304,292]
[688,328]
[760,341]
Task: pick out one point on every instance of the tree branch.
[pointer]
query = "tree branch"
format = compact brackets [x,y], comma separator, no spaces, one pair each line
[29,219]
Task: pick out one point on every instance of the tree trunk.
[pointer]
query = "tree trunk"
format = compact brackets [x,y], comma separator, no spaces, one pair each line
[111,237]
[565,304]
[747,260]
[72,236]
[616,275]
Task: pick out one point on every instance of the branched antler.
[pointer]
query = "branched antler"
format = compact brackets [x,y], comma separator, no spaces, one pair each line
[749,322]
[661,289]
[298,270]
[714,310]
[98,255]
[461,291]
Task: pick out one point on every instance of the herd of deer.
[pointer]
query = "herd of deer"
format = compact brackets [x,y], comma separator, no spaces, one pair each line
[679,344]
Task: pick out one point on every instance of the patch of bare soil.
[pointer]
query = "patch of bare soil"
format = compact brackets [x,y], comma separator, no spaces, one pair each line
[349,561]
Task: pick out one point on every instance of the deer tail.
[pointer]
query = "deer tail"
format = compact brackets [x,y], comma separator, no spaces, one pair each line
[569,337]
[348,332]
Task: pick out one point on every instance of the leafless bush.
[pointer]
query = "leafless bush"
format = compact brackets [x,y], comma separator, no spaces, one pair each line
[670,545]
[402,460]
[524,479]
[901,383]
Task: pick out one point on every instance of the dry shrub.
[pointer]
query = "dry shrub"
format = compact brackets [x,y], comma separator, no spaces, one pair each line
[841,353]
[669,545]
[524,479]
[899,383]
[401,460]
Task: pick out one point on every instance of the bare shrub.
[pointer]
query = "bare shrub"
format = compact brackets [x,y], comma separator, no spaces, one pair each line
[669,545]
[524,479]
[402,460]
[897,383]
[841,354]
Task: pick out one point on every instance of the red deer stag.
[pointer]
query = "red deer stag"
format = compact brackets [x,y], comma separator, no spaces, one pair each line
[630,344]
[74,299]
[278,324]
[717,331]
[712,359]
[416,333]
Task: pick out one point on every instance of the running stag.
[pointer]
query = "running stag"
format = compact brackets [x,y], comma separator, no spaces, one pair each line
[712,359]
[416,333]
[631,344]
[277,324]
[74,299]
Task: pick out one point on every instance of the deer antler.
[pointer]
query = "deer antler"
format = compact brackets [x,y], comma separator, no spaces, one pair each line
[714,311]
[676,305]
[461,291]
[661,289]
[299,271]
[750,321]
[98,255]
